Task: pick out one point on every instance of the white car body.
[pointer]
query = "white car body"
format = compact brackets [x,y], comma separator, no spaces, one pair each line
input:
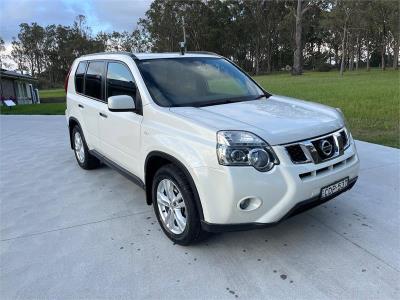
[188,134]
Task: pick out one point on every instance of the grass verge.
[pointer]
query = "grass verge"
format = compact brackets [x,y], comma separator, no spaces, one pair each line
[35,109]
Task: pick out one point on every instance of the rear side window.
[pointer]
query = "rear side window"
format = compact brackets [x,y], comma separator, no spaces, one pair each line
[120,80]
[79,76]
[93,79]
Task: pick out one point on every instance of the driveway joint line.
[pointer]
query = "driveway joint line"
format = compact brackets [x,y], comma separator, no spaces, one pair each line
[73,226]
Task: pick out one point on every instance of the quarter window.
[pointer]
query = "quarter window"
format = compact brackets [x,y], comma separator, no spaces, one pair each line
[79,74]
[93,79]
[120,81]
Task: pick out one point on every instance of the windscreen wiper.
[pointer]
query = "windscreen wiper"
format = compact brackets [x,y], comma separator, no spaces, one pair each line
[262,96]
[218,102]
[226,101]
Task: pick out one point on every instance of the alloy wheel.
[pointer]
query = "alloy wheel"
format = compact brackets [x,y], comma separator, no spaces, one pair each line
[171,206]
[79,148]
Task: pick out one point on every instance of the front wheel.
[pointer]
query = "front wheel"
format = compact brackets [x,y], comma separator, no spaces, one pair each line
[174,205]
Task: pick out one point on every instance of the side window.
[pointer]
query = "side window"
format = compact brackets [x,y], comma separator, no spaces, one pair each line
[79,74]
[93,79]
[120,81]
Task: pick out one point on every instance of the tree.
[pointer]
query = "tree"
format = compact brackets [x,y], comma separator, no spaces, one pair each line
[301,9]
[260,36]
[141,40]
[49,52]
[18,55]
[346,11]
[80,23]
[394,30]
[339,21]
[315,37]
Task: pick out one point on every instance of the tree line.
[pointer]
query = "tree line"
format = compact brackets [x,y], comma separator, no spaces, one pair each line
[261,36]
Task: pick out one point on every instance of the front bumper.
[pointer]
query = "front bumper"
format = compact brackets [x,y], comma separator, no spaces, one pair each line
[297,209]
[284,191]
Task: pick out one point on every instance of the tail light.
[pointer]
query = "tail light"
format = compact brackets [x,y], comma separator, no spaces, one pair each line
[66,80]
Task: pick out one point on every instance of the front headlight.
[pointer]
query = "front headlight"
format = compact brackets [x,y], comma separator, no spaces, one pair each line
[242,148]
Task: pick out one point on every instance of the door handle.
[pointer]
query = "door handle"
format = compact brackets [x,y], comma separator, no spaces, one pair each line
[103,115]
[80,106]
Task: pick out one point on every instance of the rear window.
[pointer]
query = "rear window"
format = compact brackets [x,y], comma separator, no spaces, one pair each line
[79,76]
[93,79]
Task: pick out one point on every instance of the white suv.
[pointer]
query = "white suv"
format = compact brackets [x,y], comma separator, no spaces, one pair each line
[212,150]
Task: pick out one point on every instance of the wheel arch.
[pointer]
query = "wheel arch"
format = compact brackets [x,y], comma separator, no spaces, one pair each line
[72,122]
[157,159]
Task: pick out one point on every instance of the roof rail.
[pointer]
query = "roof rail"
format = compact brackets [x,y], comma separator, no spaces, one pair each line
[133,56]
[203,52]
[113,52]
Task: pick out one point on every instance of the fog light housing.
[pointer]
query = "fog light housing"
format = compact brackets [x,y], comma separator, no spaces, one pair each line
[249,203]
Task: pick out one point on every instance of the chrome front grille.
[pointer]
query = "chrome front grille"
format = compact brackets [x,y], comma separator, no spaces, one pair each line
[296,153]
[344,136]
[319,149]
[328,169]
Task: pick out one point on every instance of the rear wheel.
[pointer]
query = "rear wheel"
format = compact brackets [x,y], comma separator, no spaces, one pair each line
[81,150]
[174,205]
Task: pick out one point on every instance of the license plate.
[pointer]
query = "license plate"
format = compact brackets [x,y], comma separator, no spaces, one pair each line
[334,188]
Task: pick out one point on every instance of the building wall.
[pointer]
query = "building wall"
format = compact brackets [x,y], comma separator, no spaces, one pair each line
[7,88]
[15,89]
[23,92]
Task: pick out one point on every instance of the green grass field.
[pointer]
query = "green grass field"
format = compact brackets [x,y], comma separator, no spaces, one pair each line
[54,93]
[369,100]
[35,109]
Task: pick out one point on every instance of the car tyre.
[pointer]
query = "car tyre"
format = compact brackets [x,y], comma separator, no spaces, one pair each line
[175,207]
[83,157]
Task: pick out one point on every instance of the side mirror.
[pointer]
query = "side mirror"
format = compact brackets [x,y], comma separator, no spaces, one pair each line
[121,103]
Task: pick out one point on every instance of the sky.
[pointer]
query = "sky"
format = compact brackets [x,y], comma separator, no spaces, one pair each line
[101,15]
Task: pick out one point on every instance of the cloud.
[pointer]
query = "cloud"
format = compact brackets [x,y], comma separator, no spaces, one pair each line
[121,15]
[8,63]
[102,15]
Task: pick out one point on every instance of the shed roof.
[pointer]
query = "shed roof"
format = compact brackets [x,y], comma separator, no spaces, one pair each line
[16,75]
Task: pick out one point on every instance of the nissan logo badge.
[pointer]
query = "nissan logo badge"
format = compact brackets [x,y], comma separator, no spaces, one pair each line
[326,147]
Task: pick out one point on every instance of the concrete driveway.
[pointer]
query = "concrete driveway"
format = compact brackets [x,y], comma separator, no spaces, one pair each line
[68,233]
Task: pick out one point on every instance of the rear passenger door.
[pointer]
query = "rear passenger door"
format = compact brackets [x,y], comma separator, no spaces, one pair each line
[120,131]
[91,89]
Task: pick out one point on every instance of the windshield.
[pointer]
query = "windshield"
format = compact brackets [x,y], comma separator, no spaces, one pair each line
[196,81]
